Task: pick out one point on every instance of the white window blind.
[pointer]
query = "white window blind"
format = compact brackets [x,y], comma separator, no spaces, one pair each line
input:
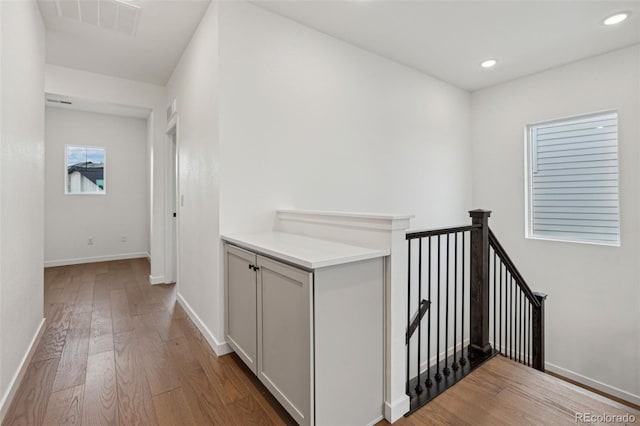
[573,179]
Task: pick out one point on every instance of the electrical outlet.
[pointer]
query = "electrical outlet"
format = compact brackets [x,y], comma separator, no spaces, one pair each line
[90,242]
[123,238]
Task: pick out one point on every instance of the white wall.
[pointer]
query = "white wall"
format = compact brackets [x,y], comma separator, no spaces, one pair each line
[71,219]
[376,136]
[592,317]
[308,121]
[194,85]
[21,187]
[102,88]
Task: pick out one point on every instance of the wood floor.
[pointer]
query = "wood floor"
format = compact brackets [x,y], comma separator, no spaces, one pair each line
[117,351]
[502,392]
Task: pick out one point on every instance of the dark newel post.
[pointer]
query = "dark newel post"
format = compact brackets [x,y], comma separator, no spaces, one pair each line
[479,345]
[538,332]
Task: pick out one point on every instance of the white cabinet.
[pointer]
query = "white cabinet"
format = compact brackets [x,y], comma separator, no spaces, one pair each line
[312,335]
[276,299]
[285,347]
[241,304]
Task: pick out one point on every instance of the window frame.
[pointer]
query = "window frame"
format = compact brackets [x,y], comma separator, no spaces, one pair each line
[66,170]
[528,179]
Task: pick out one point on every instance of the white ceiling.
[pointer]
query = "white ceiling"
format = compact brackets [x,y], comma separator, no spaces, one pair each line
[445,39]
[164,29]
[449,39]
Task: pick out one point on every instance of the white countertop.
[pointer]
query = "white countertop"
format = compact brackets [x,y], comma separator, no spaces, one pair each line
[307,252]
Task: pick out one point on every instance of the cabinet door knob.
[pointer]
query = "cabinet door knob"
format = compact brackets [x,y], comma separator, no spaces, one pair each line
[250,266]
[255,268]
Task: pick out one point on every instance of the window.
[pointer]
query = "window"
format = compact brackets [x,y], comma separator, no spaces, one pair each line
[85,170]
[572,180]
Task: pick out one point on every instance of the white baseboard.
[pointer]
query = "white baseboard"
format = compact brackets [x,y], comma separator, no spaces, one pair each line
[148,256]
[94,259]
[220,348]
[22,369]
[376,421]
[396,409]
[603,387]
[156,280]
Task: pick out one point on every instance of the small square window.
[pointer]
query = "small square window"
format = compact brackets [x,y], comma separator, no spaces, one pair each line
[572,180]
[85,170]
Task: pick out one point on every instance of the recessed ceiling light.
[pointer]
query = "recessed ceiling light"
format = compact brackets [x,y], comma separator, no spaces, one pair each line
[616,19]
[488,63]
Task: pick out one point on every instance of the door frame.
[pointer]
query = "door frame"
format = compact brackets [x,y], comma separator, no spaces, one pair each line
[172,248]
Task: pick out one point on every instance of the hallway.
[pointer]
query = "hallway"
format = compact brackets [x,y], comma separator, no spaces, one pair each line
[116,350]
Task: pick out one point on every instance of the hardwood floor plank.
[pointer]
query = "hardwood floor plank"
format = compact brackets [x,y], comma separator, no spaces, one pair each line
[134,397]
[101,337]
[54,337]
[247,411]
[277,414]
[120,311]
[65,407]
[205,404]
[30,402]
[160,373]
[84,301]
[162,322]
[173,409]
[224,380]
[100,405]
[73,362]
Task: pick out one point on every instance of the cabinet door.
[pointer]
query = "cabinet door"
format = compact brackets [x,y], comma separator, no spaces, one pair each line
[241,292]
[285,344]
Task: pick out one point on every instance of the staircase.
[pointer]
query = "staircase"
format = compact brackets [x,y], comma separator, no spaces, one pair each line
[470,303]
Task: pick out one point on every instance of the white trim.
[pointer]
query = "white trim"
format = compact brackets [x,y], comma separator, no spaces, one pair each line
[156,280]
[588,242]
[376,420]
[220,348]
[603,387]
[372,221]
[397,409]
[94,259]
[19,375]
[148,256]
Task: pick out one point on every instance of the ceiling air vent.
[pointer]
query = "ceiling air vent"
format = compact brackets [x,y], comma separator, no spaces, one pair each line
[113,15]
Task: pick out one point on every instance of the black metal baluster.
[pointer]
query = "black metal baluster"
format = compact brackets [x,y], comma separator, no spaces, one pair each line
[520,345]
[511,354]
[517,322]
[500,307]
[508,314]
[531,334]
[494,298]
[525,330]
[438,376]
[408,317]
[455,301]
[418,381]
[446,370]
[463,360]
[428,382]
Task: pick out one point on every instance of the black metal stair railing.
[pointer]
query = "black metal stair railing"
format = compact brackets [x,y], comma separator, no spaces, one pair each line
[439,265]
[469,302]
[518,323]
